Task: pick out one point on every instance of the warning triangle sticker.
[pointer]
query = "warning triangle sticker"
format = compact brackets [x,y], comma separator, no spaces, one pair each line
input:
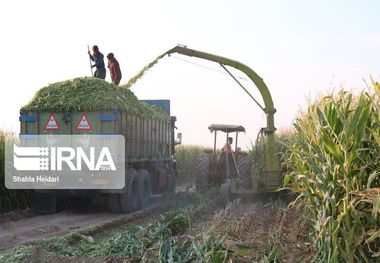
[83,123]
[52,124]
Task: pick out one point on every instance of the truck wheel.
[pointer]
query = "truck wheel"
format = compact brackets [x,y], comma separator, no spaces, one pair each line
[202,172]
[129,201]
[145,188]
[113,203]
[171,184]
[44,203]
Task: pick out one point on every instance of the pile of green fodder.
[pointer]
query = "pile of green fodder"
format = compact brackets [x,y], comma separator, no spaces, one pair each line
[10,199]
[90,94]
[334,156]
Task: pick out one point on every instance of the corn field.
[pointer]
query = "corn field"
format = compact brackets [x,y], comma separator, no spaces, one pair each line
[333,158]
[187,158]
[10,199]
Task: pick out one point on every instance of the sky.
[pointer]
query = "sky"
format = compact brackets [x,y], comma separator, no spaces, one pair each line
[302,49]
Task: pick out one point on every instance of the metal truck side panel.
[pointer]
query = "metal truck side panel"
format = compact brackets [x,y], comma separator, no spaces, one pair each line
[146,139]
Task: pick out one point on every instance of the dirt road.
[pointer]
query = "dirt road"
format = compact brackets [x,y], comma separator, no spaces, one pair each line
[13,233]
[245,230]
[27,227]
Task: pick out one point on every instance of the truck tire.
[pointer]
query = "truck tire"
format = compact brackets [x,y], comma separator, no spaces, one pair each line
[172,179]
[113,203]
[202,172]
[171,184]
[44,203]
[130,201]
[145,188]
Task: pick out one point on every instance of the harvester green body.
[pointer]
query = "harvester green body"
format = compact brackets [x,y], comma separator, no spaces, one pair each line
[267,177]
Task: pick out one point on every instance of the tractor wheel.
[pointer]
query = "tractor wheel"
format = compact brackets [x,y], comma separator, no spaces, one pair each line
[244,171]
[129,201]
[145,188]
[202,172]
[243,167]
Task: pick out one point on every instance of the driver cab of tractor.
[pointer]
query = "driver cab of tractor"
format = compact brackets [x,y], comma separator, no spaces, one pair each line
[215,166]
[226,161]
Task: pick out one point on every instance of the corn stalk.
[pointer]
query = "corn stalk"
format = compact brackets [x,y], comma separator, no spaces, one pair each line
[334,154]
[10,199]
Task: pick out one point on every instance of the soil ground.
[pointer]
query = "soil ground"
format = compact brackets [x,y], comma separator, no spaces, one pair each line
[256,230]
[253,231]
[23,227]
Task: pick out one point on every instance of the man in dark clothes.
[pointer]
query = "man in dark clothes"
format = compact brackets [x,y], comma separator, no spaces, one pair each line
[114,68]
[98,59]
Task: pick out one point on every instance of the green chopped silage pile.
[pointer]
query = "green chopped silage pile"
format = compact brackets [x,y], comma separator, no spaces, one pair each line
[90,94]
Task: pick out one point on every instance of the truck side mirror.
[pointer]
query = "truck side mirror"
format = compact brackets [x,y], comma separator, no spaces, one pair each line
[179,138]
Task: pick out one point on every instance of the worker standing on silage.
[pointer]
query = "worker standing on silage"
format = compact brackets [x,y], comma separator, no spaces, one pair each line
[98,59]
[114,69]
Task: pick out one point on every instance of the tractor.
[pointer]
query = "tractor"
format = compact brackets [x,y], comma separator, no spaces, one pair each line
[215,167]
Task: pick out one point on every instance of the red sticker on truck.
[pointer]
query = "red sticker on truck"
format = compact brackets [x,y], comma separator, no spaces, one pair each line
[52,123]
[83,123]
